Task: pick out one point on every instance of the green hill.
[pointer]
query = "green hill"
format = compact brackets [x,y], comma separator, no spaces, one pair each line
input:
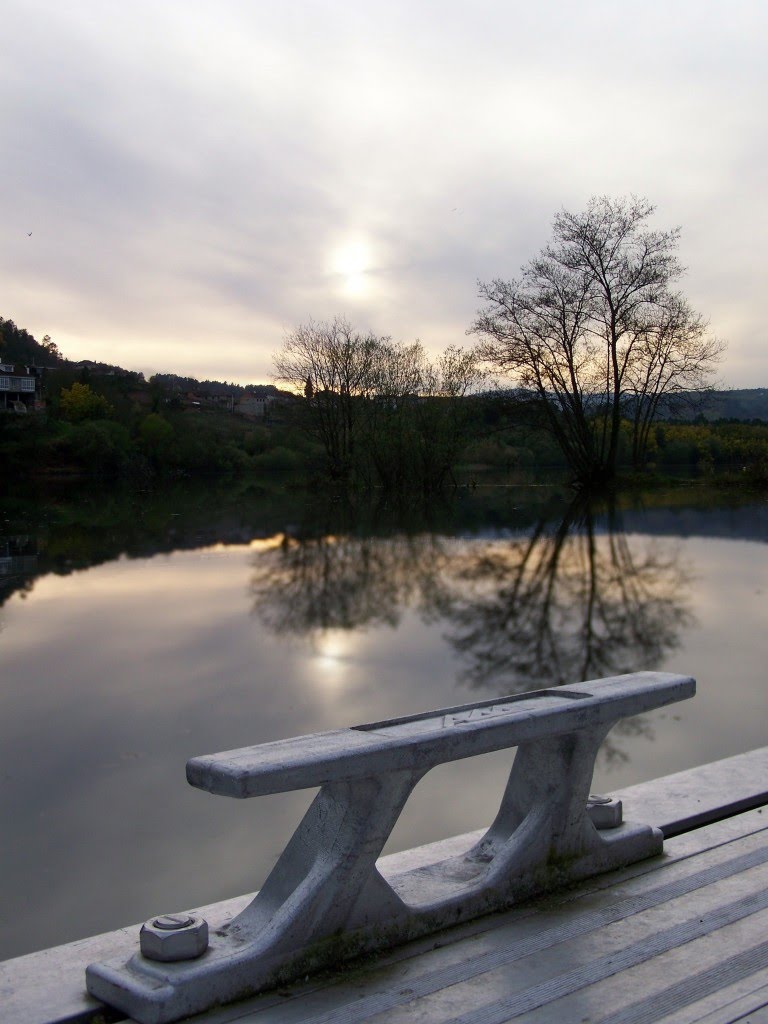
[19,346]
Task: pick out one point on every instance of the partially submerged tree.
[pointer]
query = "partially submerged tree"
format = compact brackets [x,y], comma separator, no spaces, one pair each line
[416,424]
[444,414]
[382,410]
[671,367]
[333,364]
[389,448]
[592,320]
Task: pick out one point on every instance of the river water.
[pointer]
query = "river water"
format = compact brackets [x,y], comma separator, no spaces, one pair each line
[138,630]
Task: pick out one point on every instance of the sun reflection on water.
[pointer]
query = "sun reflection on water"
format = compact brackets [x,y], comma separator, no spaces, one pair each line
[331,658]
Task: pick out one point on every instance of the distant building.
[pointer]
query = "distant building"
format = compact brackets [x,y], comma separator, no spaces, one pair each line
[21,388]
[255,406]
[203,399]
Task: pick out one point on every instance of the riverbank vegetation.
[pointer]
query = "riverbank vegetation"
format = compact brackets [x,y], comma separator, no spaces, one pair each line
[106,435]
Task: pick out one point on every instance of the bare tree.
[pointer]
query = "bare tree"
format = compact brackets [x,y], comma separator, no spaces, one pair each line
[419,418]
[334,366]
[672,365]
[390,439]
[381,409]
[593,319]
[444,413]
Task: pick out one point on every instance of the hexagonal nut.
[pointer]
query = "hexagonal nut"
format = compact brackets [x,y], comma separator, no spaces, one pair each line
[174,937]
[604,811]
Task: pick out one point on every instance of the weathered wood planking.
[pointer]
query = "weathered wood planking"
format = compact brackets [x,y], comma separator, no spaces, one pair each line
[675,941]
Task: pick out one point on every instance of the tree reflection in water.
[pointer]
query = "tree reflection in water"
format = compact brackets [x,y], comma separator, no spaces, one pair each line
[573,599]
[310,585]
[571,603]
[575,602]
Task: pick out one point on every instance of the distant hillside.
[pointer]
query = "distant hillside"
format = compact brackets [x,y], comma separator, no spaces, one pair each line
[739,404]
[92,368]
[746,404]
[19,346]
[173,382]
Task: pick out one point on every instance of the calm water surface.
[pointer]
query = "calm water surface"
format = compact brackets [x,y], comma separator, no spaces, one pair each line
[138,631]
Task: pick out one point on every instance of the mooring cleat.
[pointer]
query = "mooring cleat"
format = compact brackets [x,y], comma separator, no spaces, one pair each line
[325,900]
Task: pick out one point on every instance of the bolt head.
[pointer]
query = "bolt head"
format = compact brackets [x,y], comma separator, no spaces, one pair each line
[174,937]
[172,922]
[604,811]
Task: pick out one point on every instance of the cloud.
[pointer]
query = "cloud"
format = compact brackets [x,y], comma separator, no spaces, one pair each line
[188,170]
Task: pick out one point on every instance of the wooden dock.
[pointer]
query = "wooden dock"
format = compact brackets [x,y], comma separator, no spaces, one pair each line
[678,938]
[681,941]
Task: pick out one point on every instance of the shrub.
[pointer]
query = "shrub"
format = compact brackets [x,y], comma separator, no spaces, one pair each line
[80,402]
[278,458]
[100,446]
[156,435]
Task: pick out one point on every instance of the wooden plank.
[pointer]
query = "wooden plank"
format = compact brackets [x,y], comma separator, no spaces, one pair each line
[700,795]
[675,980]
[541,970]
[733,1002]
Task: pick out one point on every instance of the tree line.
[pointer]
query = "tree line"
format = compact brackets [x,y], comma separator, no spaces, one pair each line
[593,331]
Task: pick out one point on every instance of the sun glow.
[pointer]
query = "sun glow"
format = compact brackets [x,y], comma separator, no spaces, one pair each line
[331,652]
[331,648]
[351,264]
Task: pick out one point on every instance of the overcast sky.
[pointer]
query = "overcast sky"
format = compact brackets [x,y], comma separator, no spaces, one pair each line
[199,177]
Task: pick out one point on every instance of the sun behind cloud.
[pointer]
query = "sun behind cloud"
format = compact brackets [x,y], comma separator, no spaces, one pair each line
[350,263]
